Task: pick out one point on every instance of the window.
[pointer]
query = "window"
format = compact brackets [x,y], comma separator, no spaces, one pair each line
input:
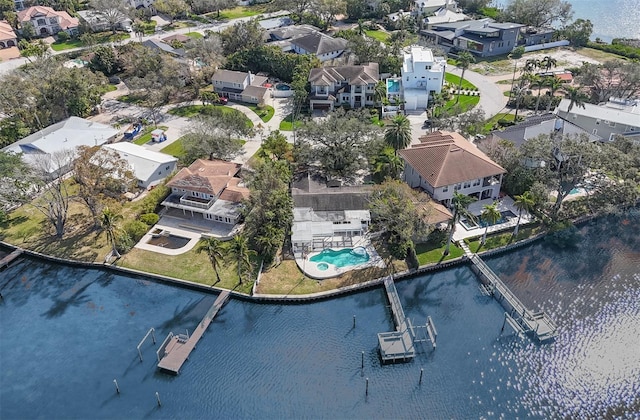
[53,20]
[476,182]
[467,184]
[611,123]
[427,67]
[445,189]
[41,22]
[457,187]
[595,131]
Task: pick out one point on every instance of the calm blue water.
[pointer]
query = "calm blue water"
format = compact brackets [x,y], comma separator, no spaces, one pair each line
[610,18]
[67,333]
[342,257]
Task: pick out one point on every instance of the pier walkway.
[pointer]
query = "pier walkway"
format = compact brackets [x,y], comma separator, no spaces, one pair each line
[177,350]
[537,324]
[9,258]
[399,345]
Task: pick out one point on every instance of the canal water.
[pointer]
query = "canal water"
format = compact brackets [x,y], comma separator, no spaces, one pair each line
[67,333]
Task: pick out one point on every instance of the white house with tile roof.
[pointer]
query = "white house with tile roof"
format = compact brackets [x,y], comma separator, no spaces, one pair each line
[47,21]
[8,37]
[351,85]
[445,162]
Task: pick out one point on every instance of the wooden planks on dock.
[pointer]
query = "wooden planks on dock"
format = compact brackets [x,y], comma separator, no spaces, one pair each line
[9,258]
[178,350]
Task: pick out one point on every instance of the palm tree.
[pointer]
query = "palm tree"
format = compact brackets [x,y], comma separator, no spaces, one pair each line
[240,250]
[464,61]
[554,84]
[109,222]
[576,97]
[523,202]
[490,215]
[515,54]
[547,62]
[387,164]
[459,202]
[215,251]
[398,134]
[538,81]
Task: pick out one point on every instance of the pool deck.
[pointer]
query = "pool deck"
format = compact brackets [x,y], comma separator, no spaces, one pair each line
[310,268]
[193,240]
[504,204]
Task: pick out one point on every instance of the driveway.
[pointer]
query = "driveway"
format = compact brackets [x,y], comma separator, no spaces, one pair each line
[492,99]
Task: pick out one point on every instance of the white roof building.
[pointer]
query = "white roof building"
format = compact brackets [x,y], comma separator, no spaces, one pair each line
[149,167]
[422,76]
[52,149]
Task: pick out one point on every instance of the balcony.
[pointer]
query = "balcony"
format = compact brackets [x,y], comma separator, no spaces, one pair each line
[188,202]
[490,181]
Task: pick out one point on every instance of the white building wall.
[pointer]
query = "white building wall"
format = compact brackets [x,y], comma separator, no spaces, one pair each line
[163,171]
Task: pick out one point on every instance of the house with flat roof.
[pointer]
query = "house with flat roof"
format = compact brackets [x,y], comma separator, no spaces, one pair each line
[149,167]
[240,86]
[325,217]
[53,149]
[444,162]
[613,118]
[422,75]
[46,21]
[208,189]
[351,85]
[483,38]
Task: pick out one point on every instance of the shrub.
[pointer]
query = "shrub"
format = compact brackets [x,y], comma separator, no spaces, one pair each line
[124,243]
[153,199]
[62,36]
[135,229]
[149,219]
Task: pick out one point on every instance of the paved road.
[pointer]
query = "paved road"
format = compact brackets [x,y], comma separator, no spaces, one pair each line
[492,100]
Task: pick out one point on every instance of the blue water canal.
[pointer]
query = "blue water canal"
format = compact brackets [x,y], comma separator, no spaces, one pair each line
[67,333]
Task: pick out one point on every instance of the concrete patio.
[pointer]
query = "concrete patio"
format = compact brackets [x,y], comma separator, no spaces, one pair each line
[504,204]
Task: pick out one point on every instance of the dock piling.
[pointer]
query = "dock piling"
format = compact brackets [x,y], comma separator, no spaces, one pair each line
[354,321]
[362,363]
[158,399]
[421,372]
[503,323]
[366,390]
[117,387]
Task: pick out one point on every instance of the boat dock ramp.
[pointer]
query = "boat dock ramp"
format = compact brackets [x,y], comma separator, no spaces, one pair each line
[521,319]
[399,345]
[175,349]
[9,258]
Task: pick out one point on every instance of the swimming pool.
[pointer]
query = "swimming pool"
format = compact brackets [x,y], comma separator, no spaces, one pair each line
[342,257]
[504,217]
[168,241]
[393,86]
[283,86]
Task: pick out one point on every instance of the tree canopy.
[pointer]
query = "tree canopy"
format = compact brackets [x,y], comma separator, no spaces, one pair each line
[537,13]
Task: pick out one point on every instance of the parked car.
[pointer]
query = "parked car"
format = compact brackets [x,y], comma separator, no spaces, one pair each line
[222,100]
[426,124]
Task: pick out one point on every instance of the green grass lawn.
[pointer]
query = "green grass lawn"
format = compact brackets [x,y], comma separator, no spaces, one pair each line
[237,12]
[455,81]
[431,253]
[491,122]
[379,35]
[145,137]
[195,35]
[178,25]
[505,238]
[265,112]
[189,111]
[287,124]
[175,149]
[101,38]
[465,102]
[130,99]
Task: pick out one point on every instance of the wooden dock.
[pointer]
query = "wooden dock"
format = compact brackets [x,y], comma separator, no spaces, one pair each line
[177,350]
[537,324]
[9,258]
[396,345]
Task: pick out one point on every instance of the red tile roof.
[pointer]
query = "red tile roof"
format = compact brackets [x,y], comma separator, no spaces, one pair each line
[444,158]
[211,177]
[65,20]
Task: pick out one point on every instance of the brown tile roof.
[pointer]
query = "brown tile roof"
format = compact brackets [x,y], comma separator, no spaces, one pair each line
[444,158]
[6,31]
[355,75]
[65,20]
[209,177]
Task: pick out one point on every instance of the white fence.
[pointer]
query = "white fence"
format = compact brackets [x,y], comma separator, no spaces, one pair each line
[539,47]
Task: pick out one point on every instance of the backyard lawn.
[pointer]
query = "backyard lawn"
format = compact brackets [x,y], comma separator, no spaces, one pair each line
[379,35]
[237,12]
[101,38]
[431,253]
[491,122]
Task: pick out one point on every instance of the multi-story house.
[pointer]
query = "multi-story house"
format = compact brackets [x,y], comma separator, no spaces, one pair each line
[8,37]
[422,75]
[445,162]
[239,86]
[343,85]
[99,23]
[483,38]
[47,21]
[614,118]
[140,4]
[208,189]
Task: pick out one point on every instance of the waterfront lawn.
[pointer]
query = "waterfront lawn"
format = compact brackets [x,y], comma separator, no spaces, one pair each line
[505,238]
[433,253]
[145,137]
[287,279]
[191,266]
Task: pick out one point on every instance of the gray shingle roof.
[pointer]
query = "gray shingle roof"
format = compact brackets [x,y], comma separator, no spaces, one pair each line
[355,75]
[319,43]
